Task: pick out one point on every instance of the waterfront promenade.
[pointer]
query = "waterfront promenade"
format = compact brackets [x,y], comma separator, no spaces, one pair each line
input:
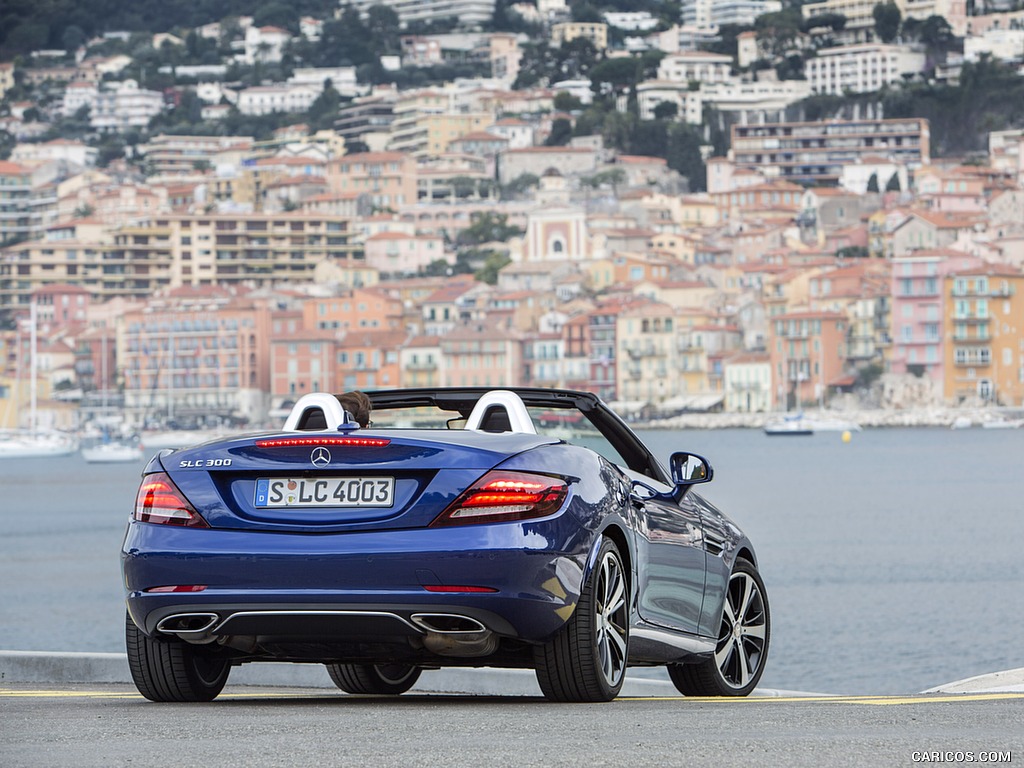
[937,416]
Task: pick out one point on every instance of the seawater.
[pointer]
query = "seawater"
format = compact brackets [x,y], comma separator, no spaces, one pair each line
[892,562]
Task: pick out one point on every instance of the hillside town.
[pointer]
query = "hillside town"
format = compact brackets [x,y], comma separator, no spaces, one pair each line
[199,226]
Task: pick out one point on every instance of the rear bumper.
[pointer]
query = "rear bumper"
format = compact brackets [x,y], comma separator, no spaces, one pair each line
[357,586]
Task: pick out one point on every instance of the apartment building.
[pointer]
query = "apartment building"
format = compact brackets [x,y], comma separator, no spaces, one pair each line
[816,152]
[711,14]
[358,308]
[281,97]
[366,119]
[420,362]
[396,253]
[748,383]
[172,155]
[808,355]
[861,292]
[863,68]
[388,179]
[482,353]
[984,354]
[566,32]
[470,13]
[695,66]
[650,94]
[648,351]
[252,249]
[16,195]
[116,107]
[303,361]
[919,311]
[194,353]
[425,123]
[138,260]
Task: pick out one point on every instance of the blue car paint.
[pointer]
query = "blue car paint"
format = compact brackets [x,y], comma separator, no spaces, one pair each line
[360,558]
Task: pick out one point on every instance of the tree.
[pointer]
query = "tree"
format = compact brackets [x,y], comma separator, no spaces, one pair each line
[666,110]
[384,25]
[488,228]
[493,264]
[873,183]
[893,185]
[684,155]
[72,38]
[852,252]
[614,74]
[887,21]
[561,132]
[324,110]
[777,32]
[566,102]
[519,185]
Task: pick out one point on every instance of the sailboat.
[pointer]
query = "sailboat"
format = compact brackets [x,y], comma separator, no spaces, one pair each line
[34,442]
[112,452]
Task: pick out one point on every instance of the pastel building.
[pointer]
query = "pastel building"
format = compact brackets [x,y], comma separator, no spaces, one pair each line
[918,313]
[984,359]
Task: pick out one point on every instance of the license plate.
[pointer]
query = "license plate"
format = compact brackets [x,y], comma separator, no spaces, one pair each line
[325,492]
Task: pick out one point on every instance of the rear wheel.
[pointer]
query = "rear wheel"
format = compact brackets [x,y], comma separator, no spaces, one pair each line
[742,647]
[172,670]
[381,679]
[586,660]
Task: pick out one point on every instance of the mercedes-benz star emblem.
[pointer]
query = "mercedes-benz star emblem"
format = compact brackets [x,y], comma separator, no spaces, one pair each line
[321,457]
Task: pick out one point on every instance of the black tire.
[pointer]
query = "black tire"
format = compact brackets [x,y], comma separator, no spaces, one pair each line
[743,640]
[586,659]
[173,670]
[377,679]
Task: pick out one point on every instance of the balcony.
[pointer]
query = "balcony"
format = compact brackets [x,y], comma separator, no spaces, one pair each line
[421,366]
[970,317]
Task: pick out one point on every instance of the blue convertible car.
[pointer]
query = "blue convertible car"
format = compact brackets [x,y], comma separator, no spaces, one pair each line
[461,527]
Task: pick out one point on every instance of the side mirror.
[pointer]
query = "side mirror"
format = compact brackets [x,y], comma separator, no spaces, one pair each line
[690,469]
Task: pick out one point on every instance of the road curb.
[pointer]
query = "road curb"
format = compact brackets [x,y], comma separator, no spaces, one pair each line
[58,668]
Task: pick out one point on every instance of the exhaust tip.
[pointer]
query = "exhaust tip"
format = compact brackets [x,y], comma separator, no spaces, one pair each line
[187,624]
[448,623]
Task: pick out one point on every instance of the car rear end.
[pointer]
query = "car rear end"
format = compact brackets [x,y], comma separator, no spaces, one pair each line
[367,545]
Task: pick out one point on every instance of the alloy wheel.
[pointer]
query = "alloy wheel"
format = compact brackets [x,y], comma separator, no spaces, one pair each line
[612,619]
[743,635]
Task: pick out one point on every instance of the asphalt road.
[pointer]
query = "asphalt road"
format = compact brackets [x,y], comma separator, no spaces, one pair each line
[95,725]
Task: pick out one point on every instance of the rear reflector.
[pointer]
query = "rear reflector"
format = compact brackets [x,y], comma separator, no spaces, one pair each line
[453,588]
[504,496]
[160,501]
[291,442]
[179,588]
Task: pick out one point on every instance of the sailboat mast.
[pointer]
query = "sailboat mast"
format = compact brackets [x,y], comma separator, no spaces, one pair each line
[33,366]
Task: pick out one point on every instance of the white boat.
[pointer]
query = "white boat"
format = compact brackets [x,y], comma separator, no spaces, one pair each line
[27,444]
[961,422]
[177,438]
[1002,423]
[114,452]
[789,426]
[832,424]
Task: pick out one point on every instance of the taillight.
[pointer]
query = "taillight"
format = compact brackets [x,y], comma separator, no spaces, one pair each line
[291,442]
[160,501]
[503,496]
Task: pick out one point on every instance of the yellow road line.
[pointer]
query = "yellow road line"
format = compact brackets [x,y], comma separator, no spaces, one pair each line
[872,700]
